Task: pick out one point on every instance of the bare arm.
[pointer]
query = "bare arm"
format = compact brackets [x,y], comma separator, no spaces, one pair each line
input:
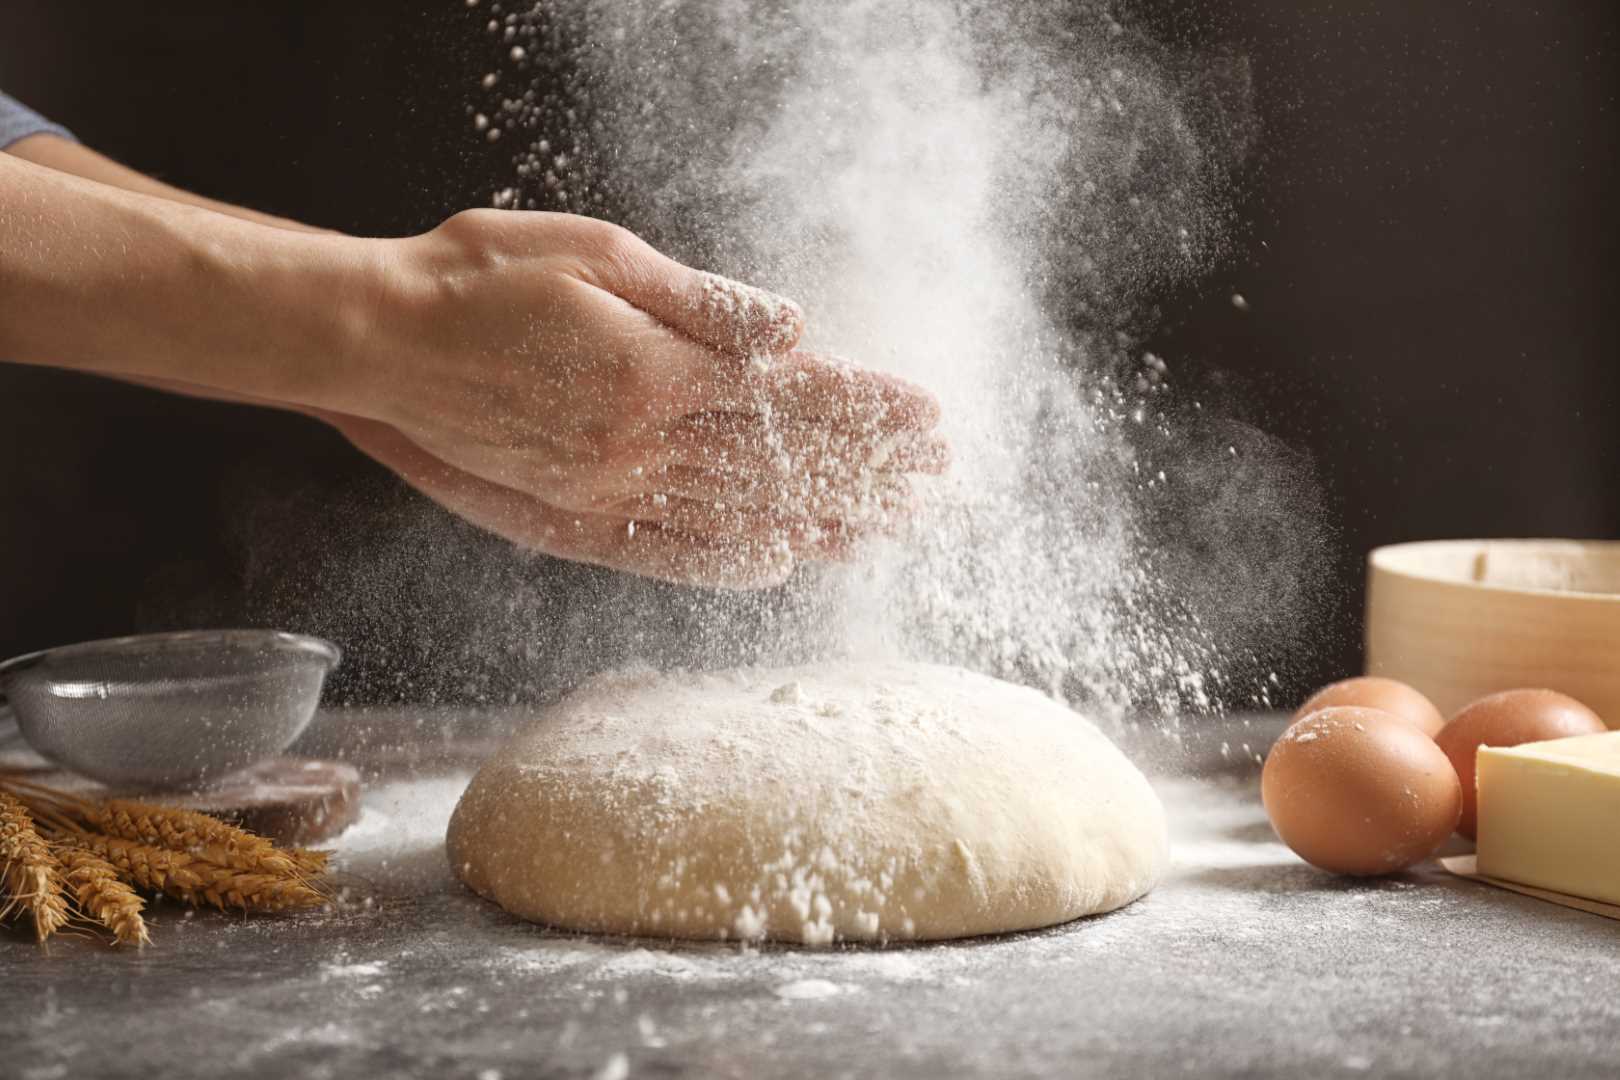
[76,159]
[101,279]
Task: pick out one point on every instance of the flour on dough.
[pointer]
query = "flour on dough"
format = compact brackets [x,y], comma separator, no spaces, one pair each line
[858,802]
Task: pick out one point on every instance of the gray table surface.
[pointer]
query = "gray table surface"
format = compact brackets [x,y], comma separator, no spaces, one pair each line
[1244,962]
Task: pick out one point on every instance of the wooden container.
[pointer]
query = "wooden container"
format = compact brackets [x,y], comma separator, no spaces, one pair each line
[1459,619]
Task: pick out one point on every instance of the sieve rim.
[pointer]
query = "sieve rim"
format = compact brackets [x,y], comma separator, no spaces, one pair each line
[270,640]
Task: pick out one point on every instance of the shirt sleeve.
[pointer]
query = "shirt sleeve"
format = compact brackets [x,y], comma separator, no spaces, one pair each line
[17,121]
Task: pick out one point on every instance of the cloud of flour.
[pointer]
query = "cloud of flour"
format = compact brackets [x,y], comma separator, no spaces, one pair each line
[981,197]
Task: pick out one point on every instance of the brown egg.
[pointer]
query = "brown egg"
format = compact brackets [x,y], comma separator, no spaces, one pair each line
[1359,791]
[1508,719]
[1376,692]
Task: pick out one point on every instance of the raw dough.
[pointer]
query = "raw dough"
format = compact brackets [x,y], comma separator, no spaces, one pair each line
[818,804]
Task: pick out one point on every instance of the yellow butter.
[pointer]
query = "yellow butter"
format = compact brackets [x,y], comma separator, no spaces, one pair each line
[1549,815]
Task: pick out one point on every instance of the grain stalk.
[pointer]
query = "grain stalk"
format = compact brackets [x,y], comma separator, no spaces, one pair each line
[102,896]
[310,862]
[54,844]
[30,876]
[197,881]
[197,834]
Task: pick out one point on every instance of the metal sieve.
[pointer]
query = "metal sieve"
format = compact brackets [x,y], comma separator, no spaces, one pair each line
[167,710]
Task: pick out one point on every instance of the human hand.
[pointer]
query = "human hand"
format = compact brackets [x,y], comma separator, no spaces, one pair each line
[562,383]
[549,376]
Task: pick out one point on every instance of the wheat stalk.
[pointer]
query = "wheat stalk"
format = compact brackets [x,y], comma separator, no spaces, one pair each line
[142,865]
[53,842]
[30,877]
[194,833]
[224,888]
[102,895]
[197,881]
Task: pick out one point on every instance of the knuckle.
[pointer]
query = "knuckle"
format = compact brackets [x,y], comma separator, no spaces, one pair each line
[638,393]
[477,241]
[474,224]
[615,240]
[617,253]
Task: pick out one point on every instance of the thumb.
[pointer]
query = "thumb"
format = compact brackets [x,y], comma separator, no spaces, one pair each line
[740,318]
[727,315]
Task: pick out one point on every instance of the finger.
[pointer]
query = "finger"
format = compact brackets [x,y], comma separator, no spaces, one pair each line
[736,317]
[604,540]
[491,506]
[826,390]
[702,517]
[734,442]
[808,537]
[684,375]
[727,315]
[873,499]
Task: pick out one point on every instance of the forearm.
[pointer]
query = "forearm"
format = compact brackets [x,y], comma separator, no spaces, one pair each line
[65,155]
[104,280]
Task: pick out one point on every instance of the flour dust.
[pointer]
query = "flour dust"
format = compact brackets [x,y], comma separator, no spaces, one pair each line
[984,198]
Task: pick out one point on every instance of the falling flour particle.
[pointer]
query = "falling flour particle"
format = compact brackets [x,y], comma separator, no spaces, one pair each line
[791,693]
[978,202]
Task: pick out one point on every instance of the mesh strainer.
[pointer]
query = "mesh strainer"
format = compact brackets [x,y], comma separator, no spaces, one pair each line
[167,710]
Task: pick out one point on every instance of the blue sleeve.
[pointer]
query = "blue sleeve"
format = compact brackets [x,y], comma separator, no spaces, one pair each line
[17,121]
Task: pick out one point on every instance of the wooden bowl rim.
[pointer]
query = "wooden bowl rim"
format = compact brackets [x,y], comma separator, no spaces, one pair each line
[1392,559]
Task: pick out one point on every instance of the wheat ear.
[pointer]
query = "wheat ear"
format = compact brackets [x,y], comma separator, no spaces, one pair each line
[197,881]
[30,877]
[309,861]
[102,895]
[225,888]
[196,834]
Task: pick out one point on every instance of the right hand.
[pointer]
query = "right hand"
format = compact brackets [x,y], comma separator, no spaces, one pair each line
[558,381]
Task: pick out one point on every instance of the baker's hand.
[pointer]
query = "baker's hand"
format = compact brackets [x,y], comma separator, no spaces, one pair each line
[549,376]
[561,382]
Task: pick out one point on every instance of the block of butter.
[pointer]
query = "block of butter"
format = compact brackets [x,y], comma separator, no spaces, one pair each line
[1549,814]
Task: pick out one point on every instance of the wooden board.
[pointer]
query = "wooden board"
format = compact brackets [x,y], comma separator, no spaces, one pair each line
[294,801]
[1464,866]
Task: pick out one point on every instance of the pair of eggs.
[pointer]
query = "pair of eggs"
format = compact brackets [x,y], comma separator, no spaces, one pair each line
[1371,778]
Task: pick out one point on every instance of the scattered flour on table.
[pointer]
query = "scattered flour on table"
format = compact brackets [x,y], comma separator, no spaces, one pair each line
[808,990]
[1227,871]
[1225,864]
[340,970]
[398,843]
[1235,910]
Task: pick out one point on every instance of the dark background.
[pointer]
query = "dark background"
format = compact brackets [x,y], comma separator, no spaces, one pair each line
[1426,243]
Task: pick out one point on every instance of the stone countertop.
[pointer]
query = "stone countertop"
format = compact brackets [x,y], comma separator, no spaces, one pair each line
[1244,962]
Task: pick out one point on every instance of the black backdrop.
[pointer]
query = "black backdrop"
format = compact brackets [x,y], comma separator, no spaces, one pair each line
[1427,248]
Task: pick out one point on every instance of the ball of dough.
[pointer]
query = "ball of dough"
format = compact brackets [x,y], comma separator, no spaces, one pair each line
[861,802]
